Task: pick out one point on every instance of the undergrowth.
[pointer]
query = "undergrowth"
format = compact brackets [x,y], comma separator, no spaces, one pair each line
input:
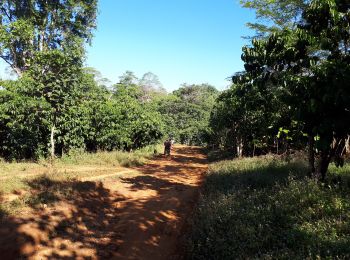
[266,208]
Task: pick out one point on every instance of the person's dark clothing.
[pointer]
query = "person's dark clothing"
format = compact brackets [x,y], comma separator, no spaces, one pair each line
[167,147]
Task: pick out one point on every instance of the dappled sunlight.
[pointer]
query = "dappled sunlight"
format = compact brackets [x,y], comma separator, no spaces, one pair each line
[78,226]
[137,215]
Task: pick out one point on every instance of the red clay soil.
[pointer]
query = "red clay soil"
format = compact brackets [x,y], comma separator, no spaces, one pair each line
[140,217]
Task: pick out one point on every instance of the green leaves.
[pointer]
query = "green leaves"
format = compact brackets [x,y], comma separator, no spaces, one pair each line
[274,15]
[186,113]
[307,69]
[37,26]
[23,124]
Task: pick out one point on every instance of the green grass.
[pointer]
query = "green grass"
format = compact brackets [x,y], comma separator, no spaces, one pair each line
[266,208]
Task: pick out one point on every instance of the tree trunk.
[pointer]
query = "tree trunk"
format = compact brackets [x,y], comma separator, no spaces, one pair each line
[52,142]
[326,157]
[323,165]
[347,145]
[239,145]
[312,156]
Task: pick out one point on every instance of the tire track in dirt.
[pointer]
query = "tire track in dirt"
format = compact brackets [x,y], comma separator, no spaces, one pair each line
[138,216]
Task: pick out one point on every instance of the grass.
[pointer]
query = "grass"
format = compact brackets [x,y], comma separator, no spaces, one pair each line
[39,183]
[114,158]
[266,208]
[45,190]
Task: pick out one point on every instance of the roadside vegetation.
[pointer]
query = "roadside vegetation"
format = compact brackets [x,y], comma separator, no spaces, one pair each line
[292,96]
[63,127]
[268,208]
[29,184]
[56,106]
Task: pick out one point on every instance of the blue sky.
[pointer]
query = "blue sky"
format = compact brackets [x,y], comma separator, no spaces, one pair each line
[181,41]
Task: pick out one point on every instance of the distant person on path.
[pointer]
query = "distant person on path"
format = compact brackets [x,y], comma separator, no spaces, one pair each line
[167,147]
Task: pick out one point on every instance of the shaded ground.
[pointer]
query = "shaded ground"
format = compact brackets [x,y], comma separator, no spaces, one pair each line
[136,216]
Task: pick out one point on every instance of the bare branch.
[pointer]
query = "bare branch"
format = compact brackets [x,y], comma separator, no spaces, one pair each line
[16,69]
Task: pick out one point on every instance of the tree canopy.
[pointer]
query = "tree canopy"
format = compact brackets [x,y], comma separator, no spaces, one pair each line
[30,27]
[295,86]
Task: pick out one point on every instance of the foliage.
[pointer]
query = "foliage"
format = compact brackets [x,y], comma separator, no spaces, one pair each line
[44,43]
[311,64]
[85,115]
[245,116]
[274,15]
[23,124]
[296,81]
[31,27]
[56,106]
[186,113]
[265,208]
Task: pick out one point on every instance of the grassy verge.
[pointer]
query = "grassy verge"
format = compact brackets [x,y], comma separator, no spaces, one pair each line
[34,184]
[45,190]
[126,159]
[266,208]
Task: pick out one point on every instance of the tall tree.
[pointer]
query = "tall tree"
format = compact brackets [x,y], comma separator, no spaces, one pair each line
[128,78]
[31,26]
[275,15]
[43,42]
[151,86]
[151,83]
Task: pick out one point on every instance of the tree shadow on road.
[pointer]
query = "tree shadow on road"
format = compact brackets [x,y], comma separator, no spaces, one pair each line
[73,219]
[79,223]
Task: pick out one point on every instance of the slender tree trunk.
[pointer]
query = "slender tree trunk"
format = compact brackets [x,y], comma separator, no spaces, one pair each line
[239,145]
[347,145]
[41,43]
[312,156]
[52,142]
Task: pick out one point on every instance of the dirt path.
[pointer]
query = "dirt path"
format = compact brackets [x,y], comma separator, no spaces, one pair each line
[138,216]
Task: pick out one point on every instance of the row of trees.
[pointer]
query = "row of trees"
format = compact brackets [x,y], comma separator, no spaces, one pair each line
[295,90]
[56,105]
[89,115]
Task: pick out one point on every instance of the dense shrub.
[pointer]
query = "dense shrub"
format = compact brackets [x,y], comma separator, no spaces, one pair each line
[91,118]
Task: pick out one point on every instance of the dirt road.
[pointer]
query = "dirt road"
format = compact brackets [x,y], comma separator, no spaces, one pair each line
[140,216]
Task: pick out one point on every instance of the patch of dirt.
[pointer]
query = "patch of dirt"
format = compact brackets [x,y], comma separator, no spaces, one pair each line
[134,216]
[74,169]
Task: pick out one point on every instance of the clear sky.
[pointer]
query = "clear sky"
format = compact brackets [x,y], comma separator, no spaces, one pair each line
[181,41]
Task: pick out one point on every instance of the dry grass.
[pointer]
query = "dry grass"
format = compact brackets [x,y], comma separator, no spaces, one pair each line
[17,191]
